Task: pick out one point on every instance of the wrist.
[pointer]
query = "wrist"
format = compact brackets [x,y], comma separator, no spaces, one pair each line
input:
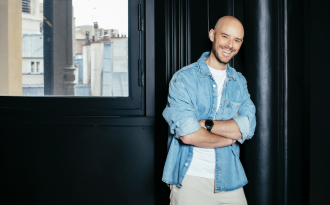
[209,125]
[226,142]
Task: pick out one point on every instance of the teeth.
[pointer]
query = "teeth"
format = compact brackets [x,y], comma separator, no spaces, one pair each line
[226,51]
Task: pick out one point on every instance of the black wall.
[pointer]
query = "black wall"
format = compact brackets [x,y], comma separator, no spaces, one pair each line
[77,160]
[319,98]
[74,164]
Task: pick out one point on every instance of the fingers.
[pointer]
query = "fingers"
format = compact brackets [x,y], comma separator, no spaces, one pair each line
[233,142]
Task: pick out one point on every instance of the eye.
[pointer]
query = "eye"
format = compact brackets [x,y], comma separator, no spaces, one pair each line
[225,36]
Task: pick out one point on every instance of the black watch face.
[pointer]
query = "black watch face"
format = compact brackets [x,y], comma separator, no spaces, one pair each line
[208,123]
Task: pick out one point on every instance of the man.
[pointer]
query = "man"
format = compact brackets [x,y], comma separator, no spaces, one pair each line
[209,110]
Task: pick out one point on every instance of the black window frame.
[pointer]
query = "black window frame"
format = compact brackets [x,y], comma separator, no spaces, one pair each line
[134,105]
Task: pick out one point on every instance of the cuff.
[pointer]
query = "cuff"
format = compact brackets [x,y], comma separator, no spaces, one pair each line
[244,126]
[188,127]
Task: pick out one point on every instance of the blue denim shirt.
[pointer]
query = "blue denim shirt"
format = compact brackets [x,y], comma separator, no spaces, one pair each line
[192,97]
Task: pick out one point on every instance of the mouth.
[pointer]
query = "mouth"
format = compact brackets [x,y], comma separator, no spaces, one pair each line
[226,52]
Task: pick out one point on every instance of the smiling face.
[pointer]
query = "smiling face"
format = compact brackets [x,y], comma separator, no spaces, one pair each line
[227,38]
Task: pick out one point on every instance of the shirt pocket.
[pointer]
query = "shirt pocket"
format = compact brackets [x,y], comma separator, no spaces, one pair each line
[231,109]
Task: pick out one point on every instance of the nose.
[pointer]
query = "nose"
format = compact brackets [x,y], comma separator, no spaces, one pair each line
[230,43]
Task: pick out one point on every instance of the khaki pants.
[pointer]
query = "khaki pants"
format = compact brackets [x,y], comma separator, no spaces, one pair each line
[200,191]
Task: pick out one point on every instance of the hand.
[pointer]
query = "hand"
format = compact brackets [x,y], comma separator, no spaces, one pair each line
[233,142]
[202,123]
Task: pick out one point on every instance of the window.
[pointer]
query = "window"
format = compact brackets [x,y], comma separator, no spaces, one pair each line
[32,67]
[80,64]
[35,67]
[26,6]
[38,67]
[102,57]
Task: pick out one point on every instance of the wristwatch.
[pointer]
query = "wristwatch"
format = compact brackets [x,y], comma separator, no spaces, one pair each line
[209,125]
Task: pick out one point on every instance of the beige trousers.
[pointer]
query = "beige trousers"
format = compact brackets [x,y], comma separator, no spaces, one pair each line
[200,191]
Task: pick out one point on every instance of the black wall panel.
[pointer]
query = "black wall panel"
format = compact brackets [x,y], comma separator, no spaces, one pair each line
[296,158]
[319,98]
[261,154]
[77,164]
[161,77]
[198,29]
[306,99]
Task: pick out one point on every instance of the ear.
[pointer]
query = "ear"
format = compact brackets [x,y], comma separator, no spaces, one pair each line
[211,34]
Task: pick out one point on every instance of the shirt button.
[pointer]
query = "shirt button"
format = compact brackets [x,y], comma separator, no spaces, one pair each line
[214,86]
[186,164]
[213,108]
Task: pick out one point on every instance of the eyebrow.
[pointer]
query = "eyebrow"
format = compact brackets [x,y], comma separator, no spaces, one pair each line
[228,35]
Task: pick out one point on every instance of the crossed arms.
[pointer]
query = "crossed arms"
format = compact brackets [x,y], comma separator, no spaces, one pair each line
[223,133]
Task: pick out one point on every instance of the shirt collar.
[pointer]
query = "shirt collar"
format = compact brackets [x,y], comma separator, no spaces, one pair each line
[204,71]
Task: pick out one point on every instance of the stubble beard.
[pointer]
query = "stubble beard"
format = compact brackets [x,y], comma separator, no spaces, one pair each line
[217,55]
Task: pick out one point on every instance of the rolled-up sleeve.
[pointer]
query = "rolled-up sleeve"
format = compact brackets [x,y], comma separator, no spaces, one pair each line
[180,112]
[246,120]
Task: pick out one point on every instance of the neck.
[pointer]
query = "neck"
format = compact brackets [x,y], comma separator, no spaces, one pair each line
[214,63]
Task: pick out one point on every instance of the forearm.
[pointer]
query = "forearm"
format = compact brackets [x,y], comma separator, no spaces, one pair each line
[205,139]
[225,128]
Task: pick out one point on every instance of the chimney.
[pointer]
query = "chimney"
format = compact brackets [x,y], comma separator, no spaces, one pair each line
[96,25]
[87,38]
[97,32]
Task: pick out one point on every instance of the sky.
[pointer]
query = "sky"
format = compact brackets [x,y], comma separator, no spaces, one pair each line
[110,14]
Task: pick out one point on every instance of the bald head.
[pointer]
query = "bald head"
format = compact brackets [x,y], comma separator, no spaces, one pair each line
[227,37]
[225,20]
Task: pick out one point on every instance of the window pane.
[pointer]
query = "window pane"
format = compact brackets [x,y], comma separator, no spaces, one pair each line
[26,6]
[101,47]
[98,65]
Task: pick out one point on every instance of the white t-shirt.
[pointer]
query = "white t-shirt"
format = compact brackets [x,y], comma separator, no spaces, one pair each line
[203,161]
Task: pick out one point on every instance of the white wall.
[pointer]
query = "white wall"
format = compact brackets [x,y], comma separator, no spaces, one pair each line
[31,22]
[32,79]
[96,68]
[26,65]
[79,34]
[86,64]
[119,80]
[119,54]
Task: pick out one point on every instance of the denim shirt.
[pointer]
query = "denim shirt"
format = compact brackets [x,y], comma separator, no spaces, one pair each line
[193,97]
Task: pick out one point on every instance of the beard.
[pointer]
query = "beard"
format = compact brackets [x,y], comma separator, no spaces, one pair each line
[217,55]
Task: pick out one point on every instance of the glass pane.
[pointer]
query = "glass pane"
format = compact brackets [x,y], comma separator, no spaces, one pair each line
[93,62]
